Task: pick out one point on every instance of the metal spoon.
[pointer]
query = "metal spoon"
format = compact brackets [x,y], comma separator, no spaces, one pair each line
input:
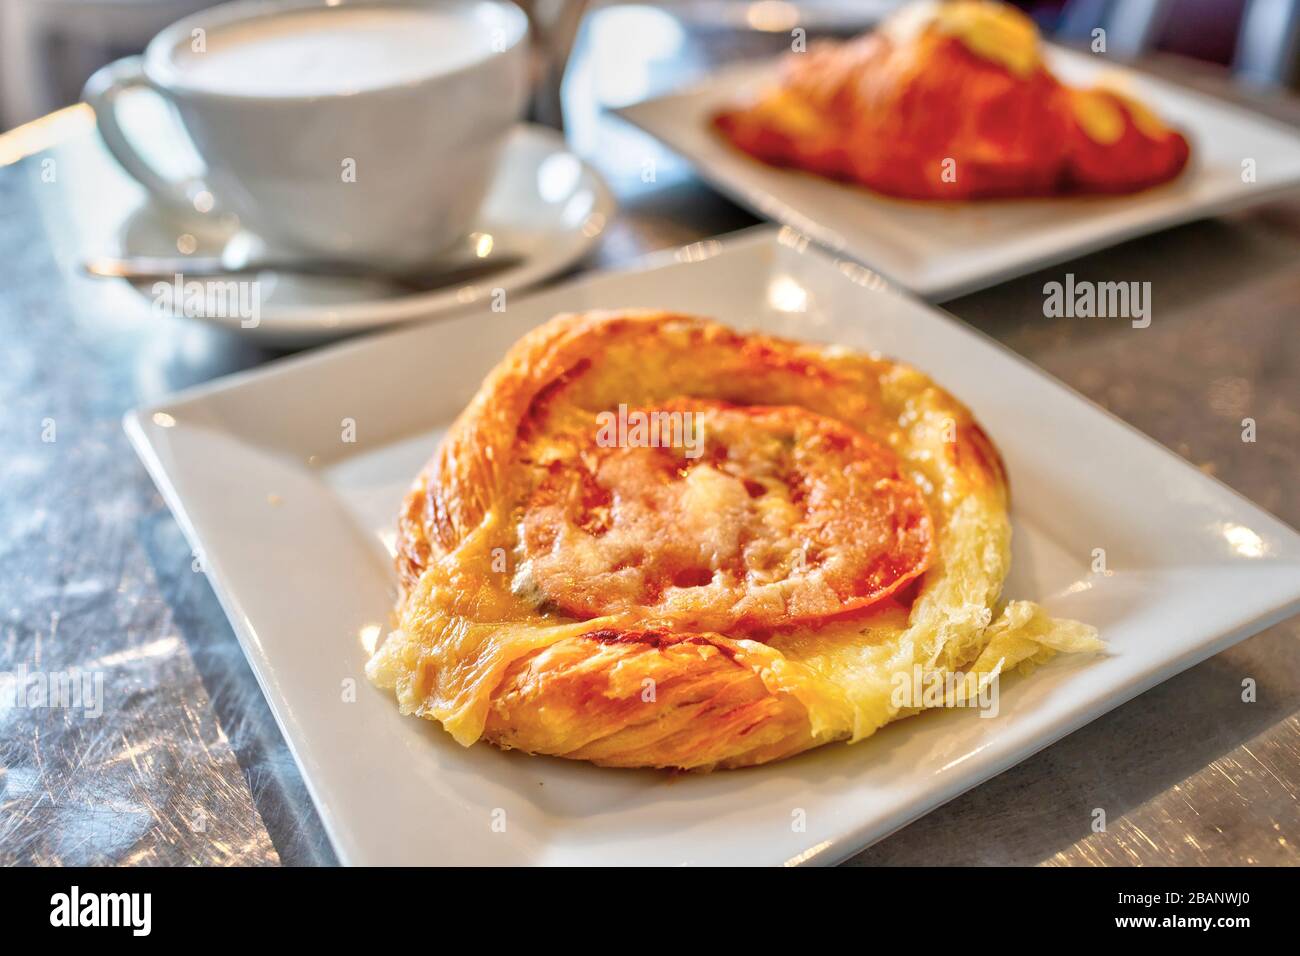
[425,279]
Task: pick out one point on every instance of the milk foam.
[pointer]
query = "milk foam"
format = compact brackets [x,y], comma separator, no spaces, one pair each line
[337,50]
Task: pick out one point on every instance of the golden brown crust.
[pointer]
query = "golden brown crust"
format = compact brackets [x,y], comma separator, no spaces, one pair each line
[450,496]
[952,102]
[621,662]
[573,700]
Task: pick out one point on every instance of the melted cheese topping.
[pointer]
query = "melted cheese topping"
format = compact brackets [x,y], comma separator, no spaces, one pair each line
[1099,116]
[782,516]
[1100,113]
[991,30]
[1147,122]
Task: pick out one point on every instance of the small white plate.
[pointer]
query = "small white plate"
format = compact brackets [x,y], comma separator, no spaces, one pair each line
[546,205]
[941,250]
[295,527]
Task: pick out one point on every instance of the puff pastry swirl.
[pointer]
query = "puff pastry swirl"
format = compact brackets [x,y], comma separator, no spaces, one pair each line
[652,601]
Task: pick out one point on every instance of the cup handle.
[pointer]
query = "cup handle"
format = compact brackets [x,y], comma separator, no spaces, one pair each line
[101,92]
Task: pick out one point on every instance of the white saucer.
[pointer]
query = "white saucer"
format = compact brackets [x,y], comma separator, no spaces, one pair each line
[546,206]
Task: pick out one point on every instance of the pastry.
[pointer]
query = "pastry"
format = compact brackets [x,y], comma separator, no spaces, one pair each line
[952,101]
[653,541]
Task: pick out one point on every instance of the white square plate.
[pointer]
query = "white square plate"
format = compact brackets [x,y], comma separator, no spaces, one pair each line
[941,250]
[295,527]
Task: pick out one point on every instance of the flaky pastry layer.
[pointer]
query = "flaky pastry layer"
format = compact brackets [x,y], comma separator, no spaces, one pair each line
[841,521]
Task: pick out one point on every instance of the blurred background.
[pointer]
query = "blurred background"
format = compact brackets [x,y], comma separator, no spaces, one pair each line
[49,47]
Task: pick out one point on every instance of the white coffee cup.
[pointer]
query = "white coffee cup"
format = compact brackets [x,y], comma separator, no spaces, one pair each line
[364,129]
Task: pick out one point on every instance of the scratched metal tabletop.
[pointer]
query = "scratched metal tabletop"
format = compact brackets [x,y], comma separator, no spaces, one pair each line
[185,764]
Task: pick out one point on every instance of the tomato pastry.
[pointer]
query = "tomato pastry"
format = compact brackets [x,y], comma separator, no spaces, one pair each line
[952,101]
[653,541]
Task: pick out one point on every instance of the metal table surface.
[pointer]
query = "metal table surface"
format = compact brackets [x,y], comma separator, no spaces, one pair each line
[185,763]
